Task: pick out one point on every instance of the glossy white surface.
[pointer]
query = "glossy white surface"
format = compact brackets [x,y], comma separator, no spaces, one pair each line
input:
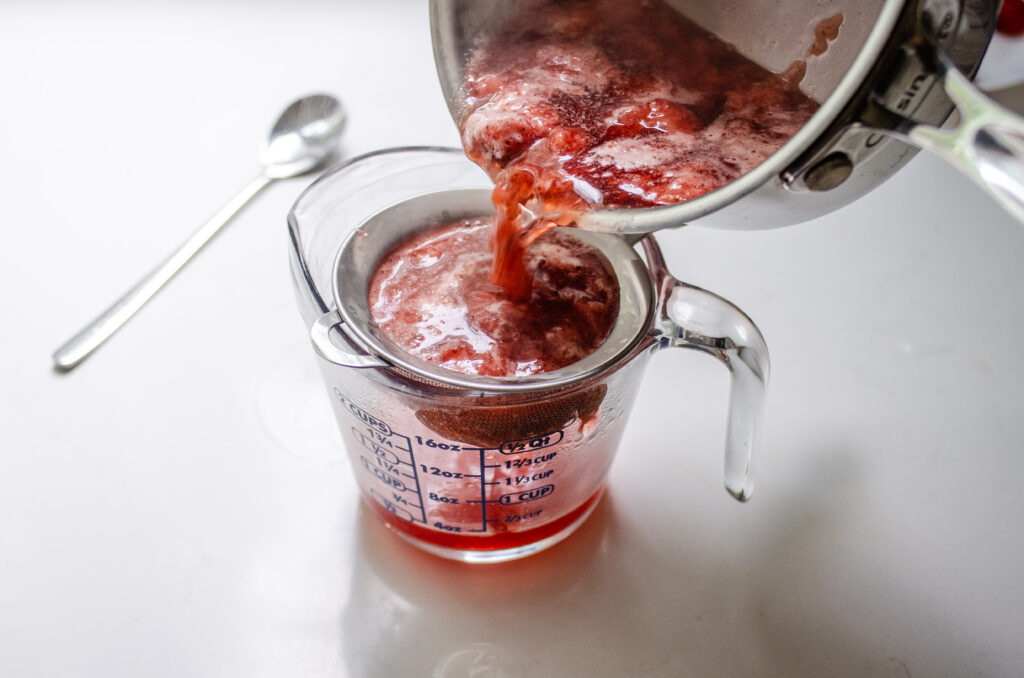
[178,506]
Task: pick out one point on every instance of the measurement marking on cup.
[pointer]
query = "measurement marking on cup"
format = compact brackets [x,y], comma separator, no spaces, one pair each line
[380,451]
[391,463]
[531,444]
[388,457]
[362,415]
[384,475]
[523,462]
[525,495]
[399,498]
[529,477]
[483,495]
[523,517]
[435,471]
[430,442]
[393,507]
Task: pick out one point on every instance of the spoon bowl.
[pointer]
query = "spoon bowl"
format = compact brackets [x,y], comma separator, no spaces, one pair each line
[304,136]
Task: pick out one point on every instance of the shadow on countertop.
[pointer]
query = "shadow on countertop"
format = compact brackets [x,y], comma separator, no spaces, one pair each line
[609,601]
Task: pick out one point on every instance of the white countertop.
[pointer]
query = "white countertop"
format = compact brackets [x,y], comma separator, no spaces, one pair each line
[179,505]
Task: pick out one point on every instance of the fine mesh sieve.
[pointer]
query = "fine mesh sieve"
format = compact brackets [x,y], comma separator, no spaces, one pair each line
[364,248]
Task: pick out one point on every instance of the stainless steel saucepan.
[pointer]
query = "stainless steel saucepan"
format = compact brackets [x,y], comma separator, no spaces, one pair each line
[886,86]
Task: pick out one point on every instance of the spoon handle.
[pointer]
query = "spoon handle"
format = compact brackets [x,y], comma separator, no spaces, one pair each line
[90,337]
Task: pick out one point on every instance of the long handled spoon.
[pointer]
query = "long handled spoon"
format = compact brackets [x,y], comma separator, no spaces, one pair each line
[305,135]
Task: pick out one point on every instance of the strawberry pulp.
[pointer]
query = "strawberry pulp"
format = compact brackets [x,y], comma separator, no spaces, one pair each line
[433,297]
[580,104]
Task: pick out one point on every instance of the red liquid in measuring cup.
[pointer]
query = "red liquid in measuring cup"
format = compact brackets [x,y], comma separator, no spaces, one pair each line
[432,296]
[495,541]
[602,103]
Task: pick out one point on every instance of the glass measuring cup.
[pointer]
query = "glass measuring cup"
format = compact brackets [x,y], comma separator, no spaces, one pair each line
[485,469]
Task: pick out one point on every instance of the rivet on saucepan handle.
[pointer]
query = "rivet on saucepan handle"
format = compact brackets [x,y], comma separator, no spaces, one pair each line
[829,172]
[320,334]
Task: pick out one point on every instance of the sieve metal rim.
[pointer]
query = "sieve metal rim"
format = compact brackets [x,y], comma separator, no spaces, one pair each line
[364,246]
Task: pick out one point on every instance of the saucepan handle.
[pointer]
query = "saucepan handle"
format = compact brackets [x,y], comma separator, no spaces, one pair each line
[690,317]
[987,145]
[320,334]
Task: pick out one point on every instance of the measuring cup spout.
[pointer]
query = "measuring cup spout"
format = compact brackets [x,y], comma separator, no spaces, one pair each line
[690,317]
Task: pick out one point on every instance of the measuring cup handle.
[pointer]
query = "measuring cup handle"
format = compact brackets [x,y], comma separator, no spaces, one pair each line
[690,317]
[320,334]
